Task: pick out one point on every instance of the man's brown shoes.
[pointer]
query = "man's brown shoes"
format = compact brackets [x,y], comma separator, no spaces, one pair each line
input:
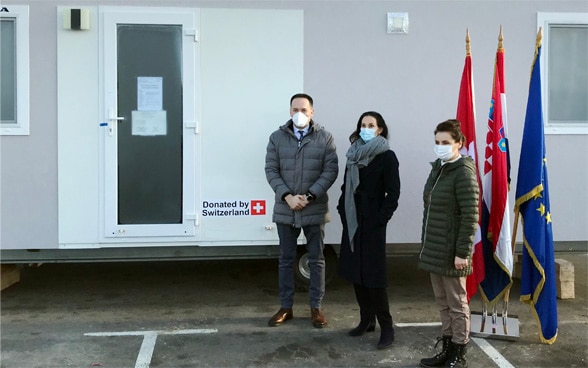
[318,318]
[282,316]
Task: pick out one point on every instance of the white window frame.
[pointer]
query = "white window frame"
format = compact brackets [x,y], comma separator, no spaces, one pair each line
[21,15]
[544,20]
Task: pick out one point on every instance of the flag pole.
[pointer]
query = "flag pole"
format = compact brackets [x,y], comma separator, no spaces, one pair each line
[514,237]
[467,40]
[500,39]
[507,293]
[468,48]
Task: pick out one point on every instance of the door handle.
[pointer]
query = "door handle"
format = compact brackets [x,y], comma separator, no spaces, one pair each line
[113,118]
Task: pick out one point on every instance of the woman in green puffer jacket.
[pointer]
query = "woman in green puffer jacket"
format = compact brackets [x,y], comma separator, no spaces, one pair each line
[449,224]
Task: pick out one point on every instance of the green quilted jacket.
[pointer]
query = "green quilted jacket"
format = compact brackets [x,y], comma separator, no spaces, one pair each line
[450,217]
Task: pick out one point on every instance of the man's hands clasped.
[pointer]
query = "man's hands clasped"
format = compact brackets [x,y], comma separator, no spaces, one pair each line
[296,202]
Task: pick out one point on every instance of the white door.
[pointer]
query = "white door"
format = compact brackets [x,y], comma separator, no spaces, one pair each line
[150,106]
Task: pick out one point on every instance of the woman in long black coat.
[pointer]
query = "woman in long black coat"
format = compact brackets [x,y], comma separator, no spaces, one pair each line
[369,197]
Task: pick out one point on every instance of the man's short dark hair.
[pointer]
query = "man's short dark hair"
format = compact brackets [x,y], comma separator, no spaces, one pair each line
[302,95]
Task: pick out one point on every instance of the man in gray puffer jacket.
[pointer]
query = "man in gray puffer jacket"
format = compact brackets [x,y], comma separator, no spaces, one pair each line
[301,165]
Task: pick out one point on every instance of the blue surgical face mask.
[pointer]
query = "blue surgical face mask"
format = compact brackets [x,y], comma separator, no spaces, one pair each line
[367,134]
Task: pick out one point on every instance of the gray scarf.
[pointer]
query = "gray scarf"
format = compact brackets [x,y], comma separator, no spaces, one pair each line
[359,155]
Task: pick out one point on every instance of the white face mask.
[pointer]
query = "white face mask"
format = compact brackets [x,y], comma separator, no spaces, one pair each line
[444,151]
[300,120]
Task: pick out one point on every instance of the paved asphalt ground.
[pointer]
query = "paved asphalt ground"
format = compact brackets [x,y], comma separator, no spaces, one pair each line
[214,314]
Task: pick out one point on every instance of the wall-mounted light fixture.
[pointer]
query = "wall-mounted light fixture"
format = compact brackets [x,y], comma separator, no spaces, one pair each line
[397,23]
[76,19]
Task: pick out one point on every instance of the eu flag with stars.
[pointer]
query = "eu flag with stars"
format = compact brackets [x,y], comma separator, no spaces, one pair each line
[532,202]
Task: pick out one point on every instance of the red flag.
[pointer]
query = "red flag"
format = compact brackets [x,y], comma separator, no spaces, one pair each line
[496,235]
[466,114]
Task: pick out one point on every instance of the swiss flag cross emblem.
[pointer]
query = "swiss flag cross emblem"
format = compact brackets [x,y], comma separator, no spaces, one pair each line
[257,207]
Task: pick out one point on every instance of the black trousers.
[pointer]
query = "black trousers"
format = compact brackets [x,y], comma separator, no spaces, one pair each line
[373,303]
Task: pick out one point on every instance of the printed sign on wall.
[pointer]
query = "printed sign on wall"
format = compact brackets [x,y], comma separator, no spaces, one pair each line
[252,207]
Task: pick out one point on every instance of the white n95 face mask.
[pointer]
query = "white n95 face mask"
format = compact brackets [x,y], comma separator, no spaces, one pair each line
[300,120]
[444,151]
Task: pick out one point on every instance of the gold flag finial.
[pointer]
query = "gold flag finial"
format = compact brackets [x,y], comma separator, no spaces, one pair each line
[537,46]
[500,39]
[539,38]
[468,47]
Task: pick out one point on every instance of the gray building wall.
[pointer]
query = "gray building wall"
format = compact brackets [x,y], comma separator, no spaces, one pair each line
[350,65]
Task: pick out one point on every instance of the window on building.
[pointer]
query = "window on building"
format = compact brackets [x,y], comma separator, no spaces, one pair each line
[565,72]
[14,70]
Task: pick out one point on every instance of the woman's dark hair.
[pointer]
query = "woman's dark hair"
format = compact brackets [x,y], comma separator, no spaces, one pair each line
[379,122]
[451,126]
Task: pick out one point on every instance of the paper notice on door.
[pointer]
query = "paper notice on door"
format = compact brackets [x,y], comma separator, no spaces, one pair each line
[149,122]
[149,93]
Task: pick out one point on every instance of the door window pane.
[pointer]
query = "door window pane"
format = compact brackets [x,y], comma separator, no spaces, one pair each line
[150,166]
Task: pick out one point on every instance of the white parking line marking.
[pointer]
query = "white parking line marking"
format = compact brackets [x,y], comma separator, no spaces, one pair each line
[149,340]
[146,352]
[421,324]
[492,353]
[158,332]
